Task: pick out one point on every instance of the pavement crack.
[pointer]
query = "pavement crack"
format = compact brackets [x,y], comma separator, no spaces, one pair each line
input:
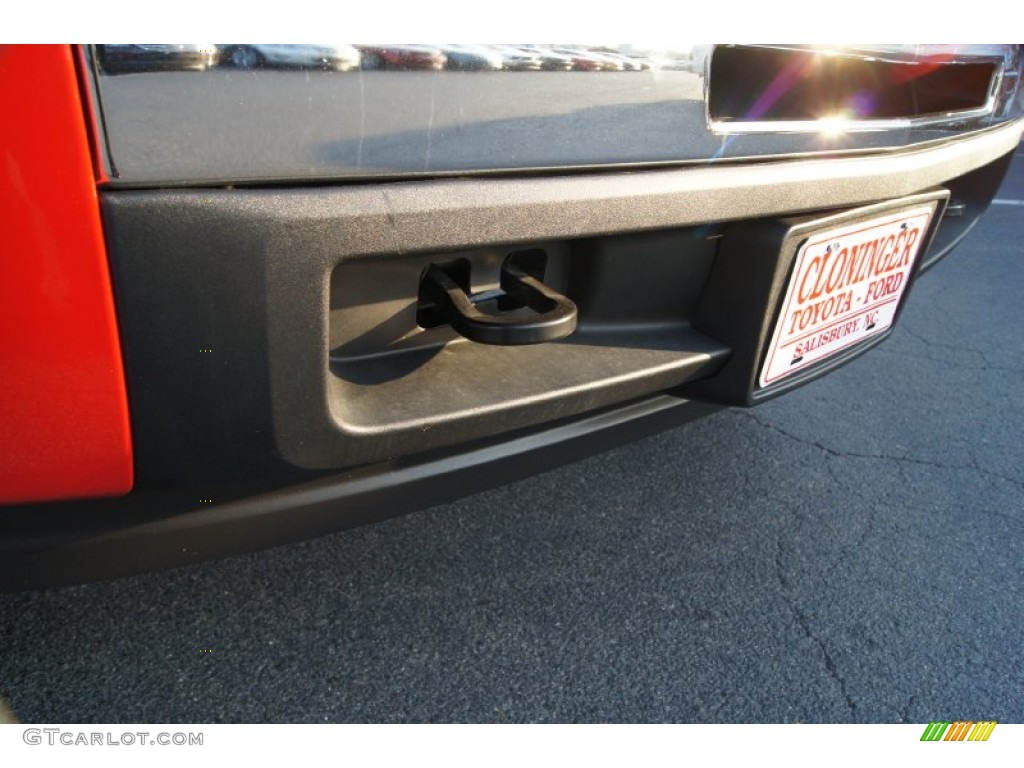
[905,459]
[946,361]
[872,513]
[905,712]
[804,624]
[988,366]
[802,440]
[941,345]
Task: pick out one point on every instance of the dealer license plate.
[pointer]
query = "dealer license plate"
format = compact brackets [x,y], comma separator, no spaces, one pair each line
[845,287]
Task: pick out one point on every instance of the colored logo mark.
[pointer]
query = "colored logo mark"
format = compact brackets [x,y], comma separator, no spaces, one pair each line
[960,730]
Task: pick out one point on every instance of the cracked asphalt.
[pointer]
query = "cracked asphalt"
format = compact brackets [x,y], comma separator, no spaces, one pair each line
[850,552]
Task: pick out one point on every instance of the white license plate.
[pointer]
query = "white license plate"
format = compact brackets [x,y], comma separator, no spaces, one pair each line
[845,287]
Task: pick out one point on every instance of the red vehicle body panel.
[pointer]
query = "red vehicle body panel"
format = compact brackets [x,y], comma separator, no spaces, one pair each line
[64,421]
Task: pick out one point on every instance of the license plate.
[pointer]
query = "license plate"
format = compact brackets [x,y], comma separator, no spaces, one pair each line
[845,287]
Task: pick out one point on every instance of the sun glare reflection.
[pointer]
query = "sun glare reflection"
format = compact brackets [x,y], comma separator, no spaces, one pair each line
[833,125]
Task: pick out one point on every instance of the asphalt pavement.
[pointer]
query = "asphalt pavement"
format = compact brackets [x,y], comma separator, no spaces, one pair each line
[850,552]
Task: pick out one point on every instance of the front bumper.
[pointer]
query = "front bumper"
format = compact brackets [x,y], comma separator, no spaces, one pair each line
[281,387]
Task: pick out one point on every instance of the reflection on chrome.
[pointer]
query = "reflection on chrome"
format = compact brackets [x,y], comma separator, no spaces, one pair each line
[772,89]
[245,112]
[337,58]
[350,57]
[115,59]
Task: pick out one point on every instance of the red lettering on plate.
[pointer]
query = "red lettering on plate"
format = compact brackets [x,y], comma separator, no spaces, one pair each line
[845,286]
[908,249]
[802,297]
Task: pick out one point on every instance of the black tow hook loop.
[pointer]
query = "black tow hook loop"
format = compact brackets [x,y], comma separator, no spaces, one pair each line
[554,315]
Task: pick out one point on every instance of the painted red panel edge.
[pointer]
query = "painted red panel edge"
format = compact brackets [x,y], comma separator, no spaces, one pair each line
[64,421]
